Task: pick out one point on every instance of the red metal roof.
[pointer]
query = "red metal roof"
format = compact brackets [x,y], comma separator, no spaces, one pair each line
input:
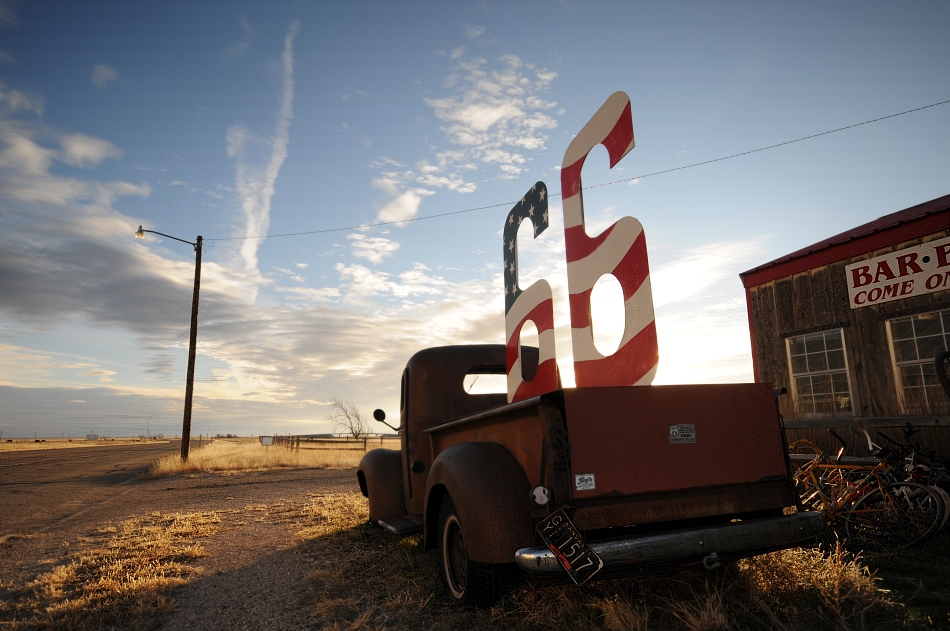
[904,225]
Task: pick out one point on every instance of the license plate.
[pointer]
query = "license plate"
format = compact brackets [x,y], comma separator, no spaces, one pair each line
[565,541]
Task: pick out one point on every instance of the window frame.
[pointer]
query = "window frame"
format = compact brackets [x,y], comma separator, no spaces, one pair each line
[896,365]
[793,381]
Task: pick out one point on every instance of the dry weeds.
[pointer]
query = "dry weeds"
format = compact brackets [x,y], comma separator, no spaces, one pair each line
[368,578]
[227,456]
[122,578]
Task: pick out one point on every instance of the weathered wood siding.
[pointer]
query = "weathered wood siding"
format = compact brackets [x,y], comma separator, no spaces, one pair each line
[817,300]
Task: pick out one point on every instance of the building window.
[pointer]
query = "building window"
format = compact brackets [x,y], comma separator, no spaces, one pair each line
[820,375]
[915,341]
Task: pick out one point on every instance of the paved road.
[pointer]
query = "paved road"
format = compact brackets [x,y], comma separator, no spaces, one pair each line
[39,489]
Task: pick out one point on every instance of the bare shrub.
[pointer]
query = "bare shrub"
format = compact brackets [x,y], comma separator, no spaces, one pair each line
[348,418]
[835,585]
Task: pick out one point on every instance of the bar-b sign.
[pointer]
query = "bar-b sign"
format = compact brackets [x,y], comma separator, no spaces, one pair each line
[915,271]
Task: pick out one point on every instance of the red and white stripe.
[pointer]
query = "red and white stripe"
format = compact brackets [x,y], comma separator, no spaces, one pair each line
[535,304]
[619,250]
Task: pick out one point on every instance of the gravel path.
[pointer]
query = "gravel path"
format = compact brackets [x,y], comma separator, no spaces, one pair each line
[253,578]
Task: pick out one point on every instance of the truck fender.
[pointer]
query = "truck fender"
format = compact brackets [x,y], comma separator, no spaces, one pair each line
[490,492]
[380,478]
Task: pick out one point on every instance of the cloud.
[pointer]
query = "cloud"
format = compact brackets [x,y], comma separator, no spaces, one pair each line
[86,151]
[405,206]
[12,101]
[255,178]
[497,113]
[103,75]
[325,294]
[69,267]
[495,116]
[704,267]
[105,376]
[242,46]
[347,94]
[473,31]
[360,283]
[291,274]
[25,168]
[373,249]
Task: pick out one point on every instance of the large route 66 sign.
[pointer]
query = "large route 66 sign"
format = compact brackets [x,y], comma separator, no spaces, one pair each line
[619,250]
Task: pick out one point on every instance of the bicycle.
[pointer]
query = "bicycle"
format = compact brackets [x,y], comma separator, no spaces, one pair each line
[868,504]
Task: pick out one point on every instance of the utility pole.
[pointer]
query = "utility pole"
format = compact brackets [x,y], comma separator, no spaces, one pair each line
[192,340]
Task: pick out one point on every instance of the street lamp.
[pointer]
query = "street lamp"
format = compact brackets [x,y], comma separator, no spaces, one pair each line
[190,381]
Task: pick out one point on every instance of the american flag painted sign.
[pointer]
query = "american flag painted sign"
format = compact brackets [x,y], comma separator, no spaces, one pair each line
[534,303]
[619,250]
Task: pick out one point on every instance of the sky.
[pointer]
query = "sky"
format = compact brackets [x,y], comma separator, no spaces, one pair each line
[236,119]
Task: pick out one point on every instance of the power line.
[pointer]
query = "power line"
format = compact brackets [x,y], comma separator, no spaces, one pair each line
[629,179]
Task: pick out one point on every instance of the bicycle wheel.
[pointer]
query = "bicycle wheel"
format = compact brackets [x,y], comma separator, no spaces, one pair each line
[892,517]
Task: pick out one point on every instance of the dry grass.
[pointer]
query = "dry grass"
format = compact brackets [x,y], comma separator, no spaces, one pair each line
[122,579]
[29,445]
[225,456]
[367,578]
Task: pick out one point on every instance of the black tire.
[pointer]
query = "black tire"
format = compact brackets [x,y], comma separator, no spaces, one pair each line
[896,516]
[467,582]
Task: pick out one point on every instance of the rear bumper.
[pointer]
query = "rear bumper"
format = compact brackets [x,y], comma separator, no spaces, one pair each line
[732,540]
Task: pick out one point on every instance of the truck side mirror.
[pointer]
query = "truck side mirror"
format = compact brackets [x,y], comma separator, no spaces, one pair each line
[380,416]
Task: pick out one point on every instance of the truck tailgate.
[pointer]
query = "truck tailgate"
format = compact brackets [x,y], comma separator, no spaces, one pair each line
[663,438]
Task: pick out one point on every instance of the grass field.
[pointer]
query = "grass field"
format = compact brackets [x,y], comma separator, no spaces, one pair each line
[371,579]
[122,579]
[366,578]
[22,444]
[237,455]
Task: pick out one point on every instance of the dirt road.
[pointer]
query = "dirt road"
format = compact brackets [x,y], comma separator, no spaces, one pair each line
[41,488]
[253,576]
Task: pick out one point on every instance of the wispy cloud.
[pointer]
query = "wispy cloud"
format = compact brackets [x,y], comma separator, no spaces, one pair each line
[86,151]
[12,101]
[473,31]
[373,249]
[497,113]
[103,75]
[255,181]
[244,45]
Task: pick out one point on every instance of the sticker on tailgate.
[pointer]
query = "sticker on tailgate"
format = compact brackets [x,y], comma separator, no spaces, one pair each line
[682,433]
[584,482]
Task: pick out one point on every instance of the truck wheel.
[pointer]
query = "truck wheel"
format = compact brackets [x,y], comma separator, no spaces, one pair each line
[469,583]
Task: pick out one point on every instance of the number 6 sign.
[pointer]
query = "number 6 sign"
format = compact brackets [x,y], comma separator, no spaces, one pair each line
[620,250]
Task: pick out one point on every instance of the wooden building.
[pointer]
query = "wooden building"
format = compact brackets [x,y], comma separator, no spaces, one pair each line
[850,326]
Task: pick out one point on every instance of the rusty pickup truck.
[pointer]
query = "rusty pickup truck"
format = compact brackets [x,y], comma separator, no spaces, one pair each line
[577,482]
